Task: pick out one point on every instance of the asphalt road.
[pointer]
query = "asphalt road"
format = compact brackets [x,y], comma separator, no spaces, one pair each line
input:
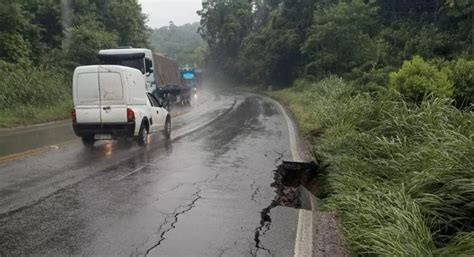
[208,192]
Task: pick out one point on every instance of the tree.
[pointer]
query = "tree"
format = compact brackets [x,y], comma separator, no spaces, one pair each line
[182,43]
[87,38]
[47,16]
[342,38]
[463,10]
[396,8]
[15,29]
[224,25]
[272,53]
[126,19]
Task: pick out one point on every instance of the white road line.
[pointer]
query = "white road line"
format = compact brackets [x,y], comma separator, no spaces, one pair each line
[304,232]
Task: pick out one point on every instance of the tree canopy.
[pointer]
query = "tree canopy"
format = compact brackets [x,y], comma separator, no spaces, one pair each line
[182,43]
[276,41]
[70,31]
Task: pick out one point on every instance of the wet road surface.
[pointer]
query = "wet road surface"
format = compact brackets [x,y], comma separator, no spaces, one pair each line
[17,140]
[206,193]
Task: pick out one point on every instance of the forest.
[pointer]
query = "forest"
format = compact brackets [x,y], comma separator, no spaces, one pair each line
[383,91]
[43,41]
[275,42]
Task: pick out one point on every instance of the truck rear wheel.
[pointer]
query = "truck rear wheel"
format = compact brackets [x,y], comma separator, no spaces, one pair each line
[142,138]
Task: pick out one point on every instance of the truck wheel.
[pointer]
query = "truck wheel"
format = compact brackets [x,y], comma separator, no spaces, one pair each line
[142,137]
[88,141]
[167,129]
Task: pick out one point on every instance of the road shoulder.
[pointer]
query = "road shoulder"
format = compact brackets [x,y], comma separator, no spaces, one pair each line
[318,233]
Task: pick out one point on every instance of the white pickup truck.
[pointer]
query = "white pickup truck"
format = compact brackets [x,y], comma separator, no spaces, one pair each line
[111,101]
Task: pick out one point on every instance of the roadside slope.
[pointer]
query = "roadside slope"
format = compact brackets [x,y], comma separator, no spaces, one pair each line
[399,175]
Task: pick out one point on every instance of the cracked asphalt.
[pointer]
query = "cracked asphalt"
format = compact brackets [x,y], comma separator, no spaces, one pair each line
[208,193]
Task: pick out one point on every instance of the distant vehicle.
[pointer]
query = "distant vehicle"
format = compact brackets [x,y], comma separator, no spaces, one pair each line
[111,101]
[192,77]
[162,74]
[189,77]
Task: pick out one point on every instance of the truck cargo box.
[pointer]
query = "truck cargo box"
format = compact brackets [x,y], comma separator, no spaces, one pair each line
[167,73]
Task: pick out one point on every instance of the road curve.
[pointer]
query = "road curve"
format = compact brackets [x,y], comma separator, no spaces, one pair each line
[207,193]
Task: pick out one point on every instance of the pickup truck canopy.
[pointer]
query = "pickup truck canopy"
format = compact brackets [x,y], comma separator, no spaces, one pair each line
[108,84]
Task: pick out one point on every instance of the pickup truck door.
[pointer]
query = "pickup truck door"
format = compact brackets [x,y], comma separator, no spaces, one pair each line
[159,111]
[155,116]
[87,94]
[112,97]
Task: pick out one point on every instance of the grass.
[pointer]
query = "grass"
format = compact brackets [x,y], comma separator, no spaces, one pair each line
[28,115]
[30,95]
[400,175]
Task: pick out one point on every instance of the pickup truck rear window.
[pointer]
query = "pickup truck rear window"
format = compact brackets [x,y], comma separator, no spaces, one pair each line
[87,87]
[111,86]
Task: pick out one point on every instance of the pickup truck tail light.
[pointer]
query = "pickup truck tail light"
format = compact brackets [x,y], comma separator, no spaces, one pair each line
[130,115]
[73,116]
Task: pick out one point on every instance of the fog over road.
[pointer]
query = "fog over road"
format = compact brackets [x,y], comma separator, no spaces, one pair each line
[202,194]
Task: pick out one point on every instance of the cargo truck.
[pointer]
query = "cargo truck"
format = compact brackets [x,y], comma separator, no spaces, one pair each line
[162,75]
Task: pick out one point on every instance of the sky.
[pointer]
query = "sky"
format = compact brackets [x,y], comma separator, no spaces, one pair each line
[161,12]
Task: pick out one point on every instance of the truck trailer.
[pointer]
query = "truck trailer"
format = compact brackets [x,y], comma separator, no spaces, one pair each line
[162,74]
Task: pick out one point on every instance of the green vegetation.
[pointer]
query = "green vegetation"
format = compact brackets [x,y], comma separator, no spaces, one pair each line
[461,74]
[181,43]
[418,79]
[33,94]
[277,41]
[33,86]
[400,174]
[384,90]
[43,41]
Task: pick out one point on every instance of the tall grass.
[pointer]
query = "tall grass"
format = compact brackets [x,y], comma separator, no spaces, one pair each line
[31,94]
[400,175]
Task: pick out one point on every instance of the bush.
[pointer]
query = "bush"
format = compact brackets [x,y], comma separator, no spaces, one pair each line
[461,73]
[372,79]
[418,79]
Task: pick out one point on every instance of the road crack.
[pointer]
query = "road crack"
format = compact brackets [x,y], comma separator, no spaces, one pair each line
[174,219]
[255,191]
[265,222]
[280,156]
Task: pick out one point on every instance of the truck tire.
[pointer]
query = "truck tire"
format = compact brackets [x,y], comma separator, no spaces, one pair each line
[142,138]
[167,129]
[88,141]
